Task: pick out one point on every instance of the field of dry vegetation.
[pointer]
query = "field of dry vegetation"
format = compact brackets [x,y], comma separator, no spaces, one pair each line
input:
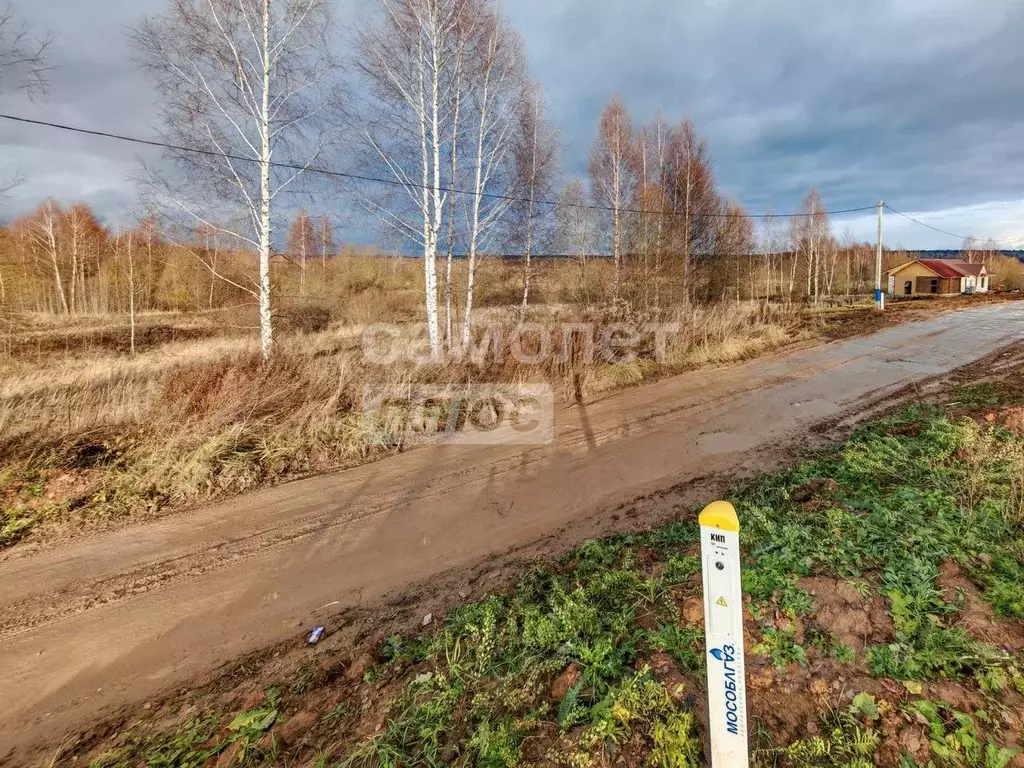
[92,434]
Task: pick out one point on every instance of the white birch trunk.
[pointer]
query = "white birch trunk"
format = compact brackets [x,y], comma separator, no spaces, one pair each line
[266,322]
[534,156]
[687,288]
[433,319]
[493,130]
[73,297]
[131,293]
[239,83]
[448,287]
[45,233]
[474,234]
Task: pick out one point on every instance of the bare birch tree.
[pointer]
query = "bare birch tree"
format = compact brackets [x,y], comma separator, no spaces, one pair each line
[612,175]
[536,156]
[811,233]
[407,63]
[831,255]
[325,242]
[847,244]
[576,230]
[43,228]
[798,242]
[646,230]
[449,287]
[735,243]
[302,245]
[441,86]
[660,136]
[211,256]
[496,75]
[693,197]
[989,256]
[81,230]
[772,249]
[126,241]
[969,249]
[249,85]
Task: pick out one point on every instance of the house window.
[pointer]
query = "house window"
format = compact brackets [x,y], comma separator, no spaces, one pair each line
[935,285]
[984,283]
[908,288]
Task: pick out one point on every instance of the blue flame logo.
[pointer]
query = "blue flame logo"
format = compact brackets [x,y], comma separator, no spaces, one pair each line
[717,653]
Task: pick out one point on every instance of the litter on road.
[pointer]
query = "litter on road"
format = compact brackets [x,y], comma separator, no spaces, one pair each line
[315,636]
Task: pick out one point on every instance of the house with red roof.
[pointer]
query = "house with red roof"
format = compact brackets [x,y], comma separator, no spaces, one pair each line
[938,277]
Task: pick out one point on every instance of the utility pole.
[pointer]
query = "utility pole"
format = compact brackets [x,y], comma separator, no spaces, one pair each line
[879,292]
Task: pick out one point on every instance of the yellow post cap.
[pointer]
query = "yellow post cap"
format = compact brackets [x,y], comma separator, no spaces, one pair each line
[721,515]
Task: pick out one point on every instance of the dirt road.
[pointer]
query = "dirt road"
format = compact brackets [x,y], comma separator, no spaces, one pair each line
[116,618]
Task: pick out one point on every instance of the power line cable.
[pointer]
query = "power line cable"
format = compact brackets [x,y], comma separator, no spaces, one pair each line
[396,183]
[945,232]
[449,190]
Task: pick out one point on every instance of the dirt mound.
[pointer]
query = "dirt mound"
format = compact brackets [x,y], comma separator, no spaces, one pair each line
[976,615]
[1013,420]
[856,621]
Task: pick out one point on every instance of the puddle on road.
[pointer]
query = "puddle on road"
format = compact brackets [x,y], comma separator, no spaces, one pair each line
[717,443]
[815,408]
[922,368]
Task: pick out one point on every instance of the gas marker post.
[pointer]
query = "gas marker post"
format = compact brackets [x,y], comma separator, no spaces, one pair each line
[723,630]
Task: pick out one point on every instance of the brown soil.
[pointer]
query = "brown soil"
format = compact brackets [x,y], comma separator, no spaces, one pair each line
[976,615]
[855,621]
[116,340]
[1013,420]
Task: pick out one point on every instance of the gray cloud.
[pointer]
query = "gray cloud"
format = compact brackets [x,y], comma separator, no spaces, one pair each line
[909,100]
[96,85]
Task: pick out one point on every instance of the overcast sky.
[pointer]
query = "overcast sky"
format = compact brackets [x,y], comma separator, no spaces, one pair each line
[915,101]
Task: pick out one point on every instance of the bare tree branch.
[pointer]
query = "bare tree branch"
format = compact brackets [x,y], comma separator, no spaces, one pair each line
[24,55]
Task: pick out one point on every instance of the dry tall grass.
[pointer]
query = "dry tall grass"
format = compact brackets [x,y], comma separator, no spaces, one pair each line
[90,434]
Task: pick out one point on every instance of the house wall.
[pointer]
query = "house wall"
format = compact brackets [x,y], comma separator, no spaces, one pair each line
[912,272]
[920,278]
[944,286]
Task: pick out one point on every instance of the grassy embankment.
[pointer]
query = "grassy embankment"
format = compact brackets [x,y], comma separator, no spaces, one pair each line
[885,625]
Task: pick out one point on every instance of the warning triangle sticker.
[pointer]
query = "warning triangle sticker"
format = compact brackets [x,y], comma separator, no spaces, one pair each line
[721,602]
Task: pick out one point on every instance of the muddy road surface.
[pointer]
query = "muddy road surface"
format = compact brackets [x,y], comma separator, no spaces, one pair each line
[115,619]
